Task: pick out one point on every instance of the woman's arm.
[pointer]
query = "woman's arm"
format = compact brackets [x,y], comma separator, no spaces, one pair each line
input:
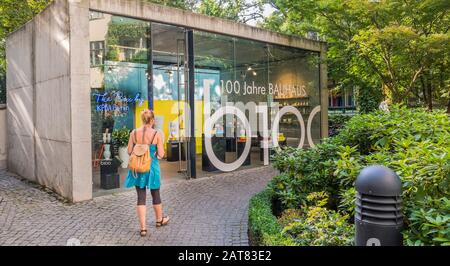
[159,146]
[130,143]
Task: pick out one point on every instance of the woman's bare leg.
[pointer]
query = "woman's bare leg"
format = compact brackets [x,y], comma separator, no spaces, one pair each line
[141,213]
[159,214]
[158,211]
[141,208]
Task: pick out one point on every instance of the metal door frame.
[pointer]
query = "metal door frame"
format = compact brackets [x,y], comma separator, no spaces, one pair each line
[189,99]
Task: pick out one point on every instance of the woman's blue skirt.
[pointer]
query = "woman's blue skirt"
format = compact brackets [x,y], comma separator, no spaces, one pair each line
[151,179]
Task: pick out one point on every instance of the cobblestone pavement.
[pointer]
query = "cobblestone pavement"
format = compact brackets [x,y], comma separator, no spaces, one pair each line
[205,211]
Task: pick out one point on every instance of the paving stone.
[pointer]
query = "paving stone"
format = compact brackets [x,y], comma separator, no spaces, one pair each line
[204,211]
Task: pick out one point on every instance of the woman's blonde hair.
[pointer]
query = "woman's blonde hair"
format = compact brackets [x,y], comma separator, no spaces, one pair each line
[147,116]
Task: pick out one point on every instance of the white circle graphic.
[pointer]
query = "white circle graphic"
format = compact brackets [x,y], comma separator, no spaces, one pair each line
[226,167]
[311,117]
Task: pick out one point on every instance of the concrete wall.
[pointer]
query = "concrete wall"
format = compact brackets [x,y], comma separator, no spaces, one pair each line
[47,135]
[80,95]
[3,139]
[20,84]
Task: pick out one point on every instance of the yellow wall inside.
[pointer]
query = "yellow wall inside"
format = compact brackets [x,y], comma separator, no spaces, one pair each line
[137,116]
[169,110]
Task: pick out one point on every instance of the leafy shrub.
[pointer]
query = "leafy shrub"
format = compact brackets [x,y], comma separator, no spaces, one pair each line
[347,166]
[368,98]
[347,199]
[429,223]
[380,130]
[264,228]
[336,122]
[413,142]
[320,226]
[303,172]
[316,225]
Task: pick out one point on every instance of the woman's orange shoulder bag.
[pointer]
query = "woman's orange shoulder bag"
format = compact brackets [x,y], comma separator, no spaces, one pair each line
[140,159]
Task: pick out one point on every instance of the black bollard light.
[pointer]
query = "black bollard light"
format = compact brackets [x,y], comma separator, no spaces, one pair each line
[378,214]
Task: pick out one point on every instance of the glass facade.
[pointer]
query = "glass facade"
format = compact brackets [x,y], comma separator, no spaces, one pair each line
[256,87]
[119,89]
[247,74]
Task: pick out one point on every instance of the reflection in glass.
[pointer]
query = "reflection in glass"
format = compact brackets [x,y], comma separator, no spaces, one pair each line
[250,73]
[127,76]
[119,90]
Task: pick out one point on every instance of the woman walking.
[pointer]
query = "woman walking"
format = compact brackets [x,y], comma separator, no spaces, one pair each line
[151,179]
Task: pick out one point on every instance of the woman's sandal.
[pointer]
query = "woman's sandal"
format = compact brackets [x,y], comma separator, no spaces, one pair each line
[164,221]
[143,232]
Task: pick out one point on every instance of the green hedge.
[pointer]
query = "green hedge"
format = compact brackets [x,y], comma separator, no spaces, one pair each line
[413,142]
[263,226]
[313,225]
[336,122]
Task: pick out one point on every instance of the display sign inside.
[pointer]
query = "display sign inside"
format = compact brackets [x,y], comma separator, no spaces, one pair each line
[115,101]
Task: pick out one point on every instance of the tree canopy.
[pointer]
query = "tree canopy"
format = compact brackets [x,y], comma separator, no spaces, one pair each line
[396,49]
[13,14]
[399,47]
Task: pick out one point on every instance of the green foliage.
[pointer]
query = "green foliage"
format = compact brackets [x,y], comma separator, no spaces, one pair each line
[182,4]
[317,199]
[336,122]
[121,136]
[129,33]
[315,225]
[347,201]
[413,142]
[339,119]
[237,10]
[321,227]
[371,43]
[264,228]
[368,99]
[303,172]
[213,8]
[13,14]
[429,223]
[348,165]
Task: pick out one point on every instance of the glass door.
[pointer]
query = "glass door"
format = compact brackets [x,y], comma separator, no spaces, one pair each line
[170,96]
[119,67]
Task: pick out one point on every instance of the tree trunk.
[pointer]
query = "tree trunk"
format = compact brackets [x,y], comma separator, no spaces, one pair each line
[430,99]
[430,94]
[448,107]
[424,90]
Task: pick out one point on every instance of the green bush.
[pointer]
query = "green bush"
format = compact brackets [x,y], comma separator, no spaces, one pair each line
[368,98]
[304,171]
[336,122]
[315,225]
[429,223]
[319,226]
[264,229]
[347,201]
[413,142]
